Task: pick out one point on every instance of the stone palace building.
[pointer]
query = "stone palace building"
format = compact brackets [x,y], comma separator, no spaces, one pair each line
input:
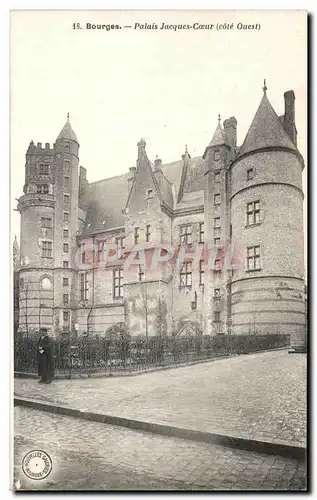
[245,203]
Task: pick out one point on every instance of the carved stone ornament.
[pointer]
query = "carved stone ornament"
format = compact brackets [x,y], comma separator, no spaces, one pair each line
[32,188]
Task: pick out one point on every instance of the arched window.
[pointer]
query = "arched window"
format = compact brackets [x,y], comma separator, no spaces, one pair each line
[46,283]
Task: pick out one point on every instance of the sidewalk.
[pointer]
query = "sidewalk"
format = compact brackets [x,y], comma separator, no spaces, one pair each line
[94,456]
[260,396]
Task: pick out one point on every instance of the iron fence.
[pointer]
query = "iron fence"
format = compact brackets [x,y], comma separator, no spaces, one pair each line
[123,353]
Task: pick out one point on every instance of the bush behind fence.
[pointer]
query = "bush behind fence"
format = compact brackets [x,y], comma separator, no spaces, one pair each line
[121,352]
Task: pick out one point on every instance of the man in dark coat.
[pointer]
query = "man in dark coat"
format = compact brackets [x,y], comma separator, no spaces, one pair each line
[45,359]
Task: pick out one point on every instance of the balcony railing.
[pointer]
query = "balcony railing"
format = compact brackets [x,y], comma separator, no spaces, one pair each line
[30,198]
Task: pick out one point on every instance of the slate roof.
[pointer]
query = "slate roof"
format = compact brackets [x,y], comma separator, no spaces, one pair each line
[104,200]
[172,172]
[266,130]
[166,189]
[67,132]
[219,137]
[194,180]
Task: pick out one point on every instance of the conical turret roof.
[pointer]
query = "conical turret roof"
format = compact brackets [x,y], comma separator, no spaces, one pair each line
[67,132]
[266,130]
[16,244]
[16,253]
[219,137]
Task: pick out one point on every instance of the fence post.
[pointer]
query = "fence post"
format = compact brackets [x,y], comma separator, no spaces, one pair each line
[70,355]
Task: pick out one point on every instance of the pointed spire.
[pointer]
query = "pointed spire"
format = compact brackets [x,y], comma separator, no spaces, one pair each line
[157,163]
[141,148]
[15,243]
[219,136]
[142,141]
[141,144]
[67,132]
[16,252]
[186,155]
[266,130]
[144,172]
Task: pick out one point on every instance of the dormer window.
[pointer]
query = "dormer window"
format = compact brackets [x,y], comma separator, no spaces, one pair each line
[217,155]
[149,194]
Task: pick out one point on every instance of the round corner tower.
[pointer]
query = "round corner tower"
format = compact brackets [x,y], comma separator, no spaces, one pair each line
[267,227]
[49,218]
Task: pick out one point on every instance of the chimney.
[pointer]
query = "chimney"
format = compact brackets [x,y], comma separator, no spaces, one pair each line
[83,183]
[157,163]
[158,171]
[185,158]
[39,145]
[141,147]
[82,172]
[289,115]
[132,171]
[186,155]
[230,127]
[47,145]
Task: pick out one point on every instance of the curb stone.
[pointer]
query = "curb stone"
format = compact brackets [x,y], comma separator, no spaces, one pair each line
[270,448]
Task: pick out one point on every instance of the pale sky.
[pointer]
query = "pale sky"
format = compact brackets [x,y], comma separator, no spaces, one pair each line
[163,85]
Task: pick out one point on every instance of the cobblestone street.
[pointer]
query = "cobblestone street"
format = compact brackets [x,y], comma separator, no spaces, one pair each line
[91,455]
[260,396]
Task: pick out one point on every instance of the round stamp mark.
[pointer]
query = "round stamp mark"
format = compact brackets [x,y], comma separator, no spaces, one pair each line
[37,464]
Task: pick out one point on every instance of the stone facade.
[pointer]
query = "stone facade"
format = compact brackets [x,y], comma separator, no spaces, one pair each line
[236,212]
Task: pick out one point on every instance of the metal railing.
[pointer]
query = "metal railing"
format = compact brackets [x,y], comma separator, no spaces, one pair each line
[123,353]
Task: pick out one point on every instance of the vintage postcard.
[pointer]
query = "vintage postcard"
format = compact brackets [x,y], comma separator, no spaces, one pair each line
[158,187]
